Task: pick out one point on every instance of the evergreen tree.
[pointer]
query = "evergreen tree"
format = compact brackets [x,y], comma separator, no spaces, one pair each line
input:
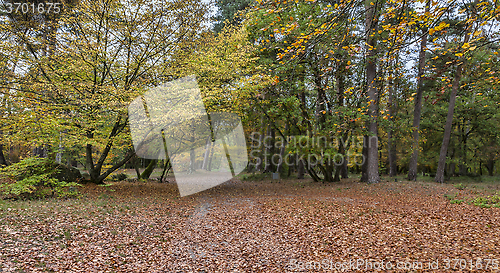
[228,11]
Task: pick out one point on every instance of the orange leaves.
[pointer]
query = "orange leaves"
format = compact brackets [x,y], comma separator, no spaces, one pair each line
[146,227]
[439,27]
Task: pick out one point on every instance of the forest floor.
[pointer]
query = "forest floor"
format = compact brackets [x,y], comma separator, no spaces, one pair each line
[256,226]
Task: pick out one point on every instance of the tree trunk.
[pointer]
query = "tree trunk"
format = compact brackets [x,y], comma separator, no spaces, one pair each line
[166,168]
[364,166]
[149,169]
[371,21]
[300,169]
[207,153]
[490,165]
[447,127]
[136,166]
[339,78]
[279,169]
[391,142]
[3,162]
[270,150]
[321,101]
[260,164]
[417,112]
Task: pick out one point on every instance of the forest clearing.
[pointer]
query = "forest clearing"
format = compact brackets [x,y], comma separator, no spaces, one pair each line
[254,226]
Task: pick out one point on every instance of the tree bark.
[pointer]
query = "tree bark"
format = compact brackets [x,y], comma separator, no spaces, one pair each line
[447,128]
[149,169]
[371,21]
[270,150]
[417,112]
[391,142]
[490,165]
[300,169]
[364,166]
[282,150]
[207,153]
[2,157]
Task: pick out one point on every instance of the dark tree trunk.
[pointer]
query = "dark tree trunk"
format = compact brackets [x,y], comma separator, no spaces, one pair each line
[135,163]
[260,164]
[448,125]
[371,22]
[321,100]
[391,141]
[95,170]
[270,150]
[417,112]
[364,166]
[3,161]
[279,169]
[339,77]
[451,108]
[490,165]
[166,168]
[300,169]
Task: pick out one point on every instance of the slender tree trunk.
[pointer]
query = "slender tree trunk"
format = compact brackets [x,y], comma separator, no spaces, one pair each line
[300,169]
[451,108]
[321,101]
[391,141]
[270,150]
[340,80]
[279,169]
[417,112]
[364,166]
[344,173]
[207,153]
[260,164]
[448,125]
[166,168]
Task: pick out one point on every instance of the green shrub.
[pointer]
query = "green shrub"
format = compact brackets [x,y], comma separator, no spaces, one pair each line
[460,186]
[34,178]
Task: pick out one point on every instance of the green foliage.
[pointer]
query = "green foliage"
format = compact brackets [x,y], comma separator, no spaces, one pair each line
[450,196]
[460,186]
[228,12]
[488,201]
[34,177]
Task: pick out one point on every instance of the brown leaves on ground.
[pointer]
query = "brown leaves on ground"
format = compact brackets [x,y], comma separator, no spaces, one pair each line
[249,227]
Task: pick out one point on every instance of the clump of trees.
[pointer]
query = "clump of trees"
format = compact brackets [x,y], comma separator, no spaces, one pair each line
[402,86]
